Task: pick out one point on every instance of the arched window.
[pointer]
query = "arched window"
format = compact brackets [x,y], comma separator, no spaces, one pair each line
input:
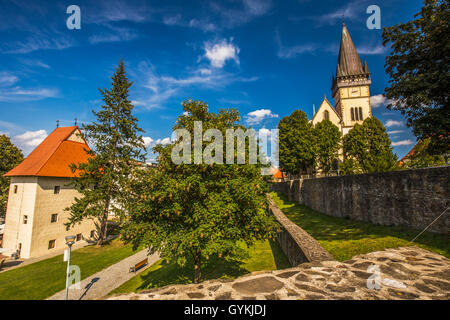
[353,113]
[360,114]
[326,115]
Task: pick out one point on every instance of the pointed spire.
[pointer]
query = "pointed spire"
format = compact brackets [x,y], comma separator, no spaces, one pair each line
[366,67]
[349,62]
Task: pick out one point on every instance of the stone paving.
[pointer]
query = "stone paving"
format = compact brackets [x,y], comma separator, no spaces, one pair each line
[103,282]
[404,273]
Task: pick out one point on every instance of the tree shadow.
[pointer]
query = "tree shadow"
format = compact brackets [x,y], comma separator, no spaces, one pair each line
[281,261]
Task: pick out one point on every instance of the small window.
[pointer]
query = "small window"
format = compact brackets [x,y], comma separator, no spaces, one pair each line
[360,114]
[25,219]
[92,233]
[326,115]
[78,236]
[56,189]
[353,114]
[51,244]
[15,189]
[54,218]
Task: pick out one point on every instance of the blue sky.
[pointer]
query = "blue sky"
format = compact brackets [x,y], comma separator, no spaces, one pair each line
[264,57]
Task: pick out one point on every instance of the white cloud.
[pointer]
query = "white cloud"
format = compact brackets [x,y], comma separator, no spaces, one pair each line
[116,35]
[293,51]
[393,123]
[148,141]
[379,100]
[220,52]
[38,42]
[396,131]
[257,7]
[403,143]
[256,117]
[18,94]
[165,87]
[368,50]
[7,79]
[29,140]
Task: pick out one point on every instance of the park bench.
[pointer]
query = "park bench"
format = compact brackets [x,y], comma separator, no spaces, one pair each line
[138,265]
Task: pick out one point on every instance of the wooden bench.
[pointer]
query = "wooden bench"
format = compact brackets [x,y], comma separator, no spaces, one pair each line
[138,265]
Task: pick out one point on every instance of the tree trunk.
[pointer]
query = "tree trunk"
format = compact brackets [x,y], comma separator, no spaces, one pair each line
[104,220]
[197,269]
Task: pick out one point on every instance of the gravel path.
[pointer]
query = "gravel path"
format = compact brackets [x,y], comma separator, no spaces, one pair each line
[101,283]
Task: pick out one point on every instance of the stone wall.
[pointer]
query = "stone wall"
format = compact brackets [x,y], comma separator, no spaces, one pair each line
[297,244]
[327,280]
[412,198]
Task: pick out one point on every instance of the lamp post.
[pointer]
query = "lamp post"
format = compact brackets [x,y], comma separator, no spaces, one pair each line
[70,240]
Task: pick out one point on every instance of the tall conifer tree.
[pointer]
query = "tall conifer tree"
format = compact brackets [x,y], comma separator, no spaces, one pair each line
[116,147]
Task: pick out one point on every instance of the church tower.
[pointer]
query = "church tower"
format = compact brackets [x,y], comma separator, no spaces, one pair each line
[350,87]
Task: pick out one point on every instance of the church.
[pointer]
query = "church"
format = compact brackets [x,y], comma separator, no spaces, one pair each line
[350,89]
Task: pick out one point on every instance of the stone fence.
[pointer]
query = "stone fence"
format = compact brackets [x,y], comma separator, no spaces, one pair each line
[412,198]
[296,243]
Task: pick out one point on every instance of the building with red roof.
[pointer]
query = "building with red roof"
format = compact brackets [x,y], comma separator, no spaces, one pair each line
[39,193]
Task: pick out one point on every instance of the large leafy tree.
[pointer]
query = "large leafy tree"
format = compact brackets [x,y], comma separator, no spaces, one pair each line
[194,212]
[419,65]
[368,148]
[297,143]
[328,138]
[104,181]
[10,156]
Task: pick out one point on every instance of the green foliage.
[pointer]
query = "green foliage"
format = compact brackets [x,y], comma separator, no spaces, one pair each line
[370,147]
[297,143]
[328,138]
[419,67]
[197,211]
[421,158]
[104,182]
[10,157]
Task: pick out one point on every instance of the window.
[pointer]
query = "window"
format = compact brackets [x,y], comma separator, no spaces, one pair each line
[326,115]
[51,244]
[25,219]
[78,236]
[54,218]
[92,233]
[56,189]
[360,114]
[353,114]
[15,189]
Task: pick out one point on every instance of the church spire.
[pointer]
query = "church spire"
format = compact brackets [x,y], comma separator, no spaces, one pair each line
[349,62]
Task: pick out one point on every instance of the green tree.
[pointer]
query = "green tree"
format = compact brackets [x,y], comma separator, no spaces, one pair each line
[368,144]
[420,158]
[297,143]
[328,138]
[197,211]
[104,181]
[419,65]
[10,156]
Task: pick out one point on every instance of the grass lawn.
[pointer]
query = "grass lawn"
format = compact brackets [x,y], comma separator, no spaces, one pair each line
[264,255]
[42,279]
[344,238]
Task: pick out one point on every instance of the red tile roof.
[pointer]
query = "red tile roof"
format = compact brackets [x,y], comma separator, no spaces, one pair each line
[53,156]
[279,175]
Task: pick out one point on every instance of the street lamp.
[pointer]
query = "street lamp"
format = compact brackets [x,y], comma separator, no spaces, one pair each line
[70,240]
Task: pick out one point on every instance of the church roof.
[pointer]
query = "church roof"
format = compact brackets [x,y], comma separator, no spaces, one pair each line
[349,62]
[54,155]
